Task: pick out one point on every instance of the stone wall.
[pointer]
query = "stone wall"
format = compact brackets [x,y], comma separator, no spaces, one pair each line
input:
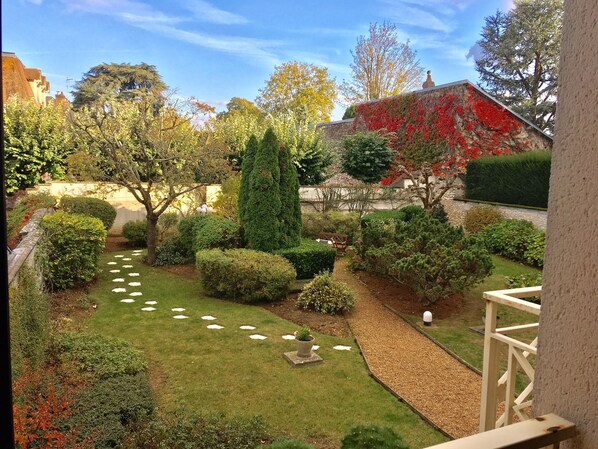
[333,134]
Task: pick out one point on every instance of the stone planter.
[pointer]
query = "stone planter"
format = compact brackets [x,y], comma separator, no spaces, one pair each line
[304,347]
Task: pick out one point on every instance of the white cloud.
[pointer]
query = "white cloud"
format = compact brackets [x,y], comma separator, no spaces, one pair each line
[433,15]
[208,13]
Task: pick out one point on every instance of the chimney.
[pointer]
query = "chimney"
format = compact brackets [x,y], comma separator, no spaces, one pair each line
[429,83]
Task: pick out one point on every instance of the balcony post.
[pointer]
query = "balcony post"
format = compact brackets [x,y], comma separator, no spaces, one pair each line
[490,370]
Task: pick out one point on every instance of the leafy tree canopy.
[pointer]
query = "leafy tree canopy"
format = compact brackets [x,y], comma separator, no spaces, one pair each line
[520,57]
[242,106]
[118,81]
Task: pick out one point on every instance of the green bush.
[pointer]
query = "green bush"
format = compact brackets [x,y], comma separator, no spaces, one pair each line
[372,437]
[97,356]
[244,275]
[332,221]
[172,252]
[216,232]
[517,240]
[106,407]
[187,230]
[288,444]
[180,430]
[439,213]
[309,258]
[434,259]
[367,156]
[29,323]
[70,248]
[136,232]
[524,280]
[518,179]
[325,295]
[478,217]
[25,207]
[404,214]
[378,228]
[92,207]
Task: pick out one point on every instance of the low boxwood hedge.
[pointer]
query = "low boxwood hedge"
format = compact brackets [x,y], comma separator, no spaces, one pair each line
[309,258]
[94,207]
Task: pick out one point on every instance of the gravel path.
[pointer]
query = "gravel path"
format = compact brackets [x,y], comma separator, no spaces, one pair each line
[440,387]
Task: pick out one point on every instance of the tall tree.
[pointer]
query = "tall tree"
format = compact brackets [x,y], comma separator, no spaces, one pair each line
[290,209]
[382,66]
[118,82]
[262,225]
[246,169]
[520,57]
[150,149]
[238,105]
[304,89]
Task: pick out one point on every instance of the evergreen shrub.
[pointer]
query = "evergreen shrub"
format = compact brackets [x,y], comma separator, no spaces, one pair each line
[372,437]
[92,207]
[309,258]
[290,205]
[216,232]
[172,252]
[187,229]
[478,217]
[325,295]
[367,156]
[517,240]
[135,232]
[70,248]
[244,275]
[520,179]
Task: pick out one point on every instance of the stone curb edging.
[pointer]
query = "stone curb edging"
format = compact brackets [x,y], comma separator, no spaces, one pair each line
[436,342]
[398,396]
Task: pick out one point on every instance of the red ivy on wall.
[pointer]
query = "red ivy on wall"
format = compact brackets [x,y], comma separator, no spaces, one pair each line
[468,124]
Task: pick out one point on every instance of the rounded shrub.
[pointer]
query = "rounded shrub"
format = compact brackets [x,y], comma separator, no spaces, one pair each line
[70,248]
[367,156]
[94,207]
[187,229]
[309,258]
[478,217]
[136,232]
[216,232]
[512,238]
[288,444]
[325,295]
[172,252]
[372,437]
[244,275]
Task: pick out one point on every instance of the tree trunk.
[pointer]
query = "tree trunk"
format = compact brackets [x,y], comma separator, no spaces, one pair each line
[152,238]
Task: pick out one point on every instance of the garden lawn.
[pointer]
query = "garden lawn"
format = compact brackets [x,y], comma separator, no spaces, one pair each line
[223,370]
[455,333]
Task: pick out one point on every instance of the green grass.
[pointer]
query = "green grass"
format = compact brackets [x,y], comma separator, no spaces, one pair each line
[455,333]
[223,370]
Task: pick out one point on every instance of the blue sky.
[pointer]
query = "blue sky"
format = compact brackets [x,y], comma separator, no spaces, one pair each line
[214,50]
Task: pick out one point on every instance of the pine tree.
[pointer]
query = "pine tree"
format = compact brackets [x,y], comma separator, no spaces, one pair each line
[246,167]
[290,210]
[262,226]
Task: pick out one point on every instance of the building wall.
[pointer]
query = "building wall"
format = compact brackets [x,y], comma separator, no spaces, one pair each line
[567,367]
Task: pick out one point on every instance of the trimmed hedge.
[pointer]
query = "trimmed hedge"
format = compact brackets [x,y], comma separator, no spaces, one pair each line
[520,179]
[325,295]
[92,207]
[333,221]
[244,275]
[216,232]
[136,232]
[517,240]
[309,258]
[70,248]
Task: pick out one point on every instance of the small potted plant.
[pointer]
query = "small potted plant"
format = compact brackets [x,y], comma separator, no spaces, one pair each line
[304,341]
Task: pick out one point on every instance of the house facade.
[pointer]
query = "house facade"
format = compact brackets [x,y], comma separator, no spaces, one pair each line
[23,82]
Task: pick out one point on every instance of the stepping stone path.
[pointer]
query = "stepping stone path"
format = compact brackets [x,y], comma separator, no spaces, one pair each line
[127,266]
[127,300]
[127,258]
[119,290]
[315,347]
[119,255]
[134,284]
[118,280]
[215,326]
[342,348]
[151,303]
[111,263]
[245,327]
[134,274]
[180,317]
[257,337]
[288,337]
[178,309]
[114,271]
[208,317]
[148,309]
[135,294]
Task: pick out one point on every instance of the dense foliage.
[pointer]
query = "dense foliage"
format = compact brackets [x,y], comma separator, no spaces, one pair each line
[309,258]
[244,275]
[36,141]
[19,215]
[290,205]
[367,156]
[188,227]
[172,251]
[216,232]
[520,179]
[246,168]
[94,207]
[372,437]
[227,202]
[135,232]
[325,295]
[517,240]
[70,248]
[478,217]
[313,224]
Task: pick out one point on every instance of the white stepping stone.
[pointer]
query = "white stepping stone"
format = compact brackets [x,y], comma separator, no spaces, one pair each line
[119,255]
[127,300]
[111,263]
[148,309]
[315,347]
[127,266]
[288,337]
[119,290]
[114,271]
[180,317]
[342,348]
[208,317]
[215,326]
[135,294]
[257,337]
[136,254]
[118,280]
[134,284]
[178,309]
[137,250]
[151,303]
[134,274]
[245,327]
[127,259]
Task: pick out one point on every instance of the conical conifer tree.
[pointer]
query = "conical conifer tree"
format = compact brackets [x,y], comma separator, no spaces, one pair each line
[290,209]
[246,168]
[262,226]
